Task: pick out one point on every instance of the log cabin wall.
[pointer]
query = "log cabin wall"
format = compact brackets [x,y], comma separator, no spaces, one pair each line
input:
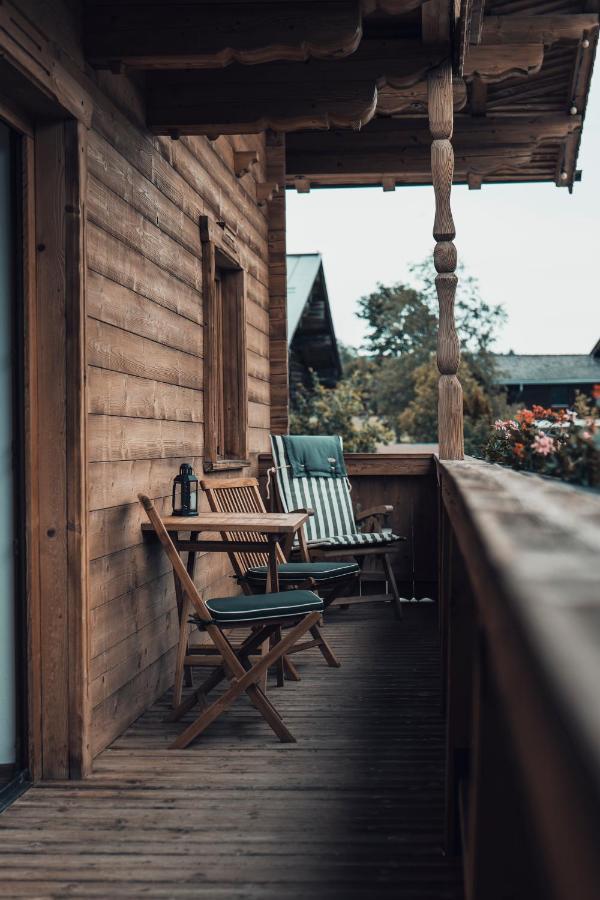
[144,336]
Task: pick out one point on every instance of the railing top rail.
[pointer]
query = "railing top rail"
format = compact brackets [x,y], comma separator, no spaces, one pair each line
[531,547]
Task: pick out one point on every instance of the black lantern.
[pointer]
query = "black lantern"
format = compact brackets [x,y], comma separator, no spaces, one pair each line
[185,492]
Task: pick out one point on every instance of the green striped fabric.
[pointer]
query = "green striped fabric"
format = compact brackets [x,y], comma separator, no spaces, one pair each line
[333,522]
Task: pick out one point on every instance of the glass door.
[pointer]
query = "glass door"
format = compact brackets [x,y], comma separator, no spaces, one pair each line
[12,760]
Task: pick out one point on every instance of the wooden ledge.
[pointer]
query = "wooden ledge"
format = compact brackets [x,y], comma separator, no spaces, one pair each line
[531,547]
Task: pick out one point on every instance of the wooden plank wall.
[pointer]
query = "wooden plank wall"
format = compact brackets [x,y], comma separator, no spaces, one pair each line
[144,361]
[145,381]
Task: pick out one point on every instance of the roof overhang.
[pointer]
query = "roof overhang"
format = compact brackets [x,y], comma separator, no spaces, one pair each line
[361,66]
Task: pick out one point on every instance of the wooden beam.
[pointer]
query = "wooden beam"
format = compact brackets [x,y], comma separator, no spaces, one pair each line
[29,50]
[302,185]
[212,35]
[390,146]
[243,161]
[319,94]
[478,97]
[545,30]
[413,100]
[582,72]
[497,63]
[435,22]
[284,96]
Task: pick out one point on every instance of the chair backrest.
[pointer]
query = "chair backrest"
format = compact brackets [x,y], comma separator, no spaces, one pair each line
[329,498]
[181,573]
[239,495]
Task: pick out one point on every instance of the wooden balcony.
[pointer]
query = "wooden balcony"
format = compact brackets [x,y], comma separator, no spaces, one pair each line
[355,809]
[455,753]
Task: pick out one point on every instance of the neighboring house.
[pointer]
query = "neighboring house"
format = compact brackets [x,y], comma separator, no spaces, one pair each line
[547,379]
[311,335]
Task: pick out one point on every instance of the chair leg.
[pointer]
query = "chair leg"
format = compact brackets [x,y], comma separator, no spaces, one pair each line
[248,683]
[325,649]
[392,580]
[182,646]
[291,672]
[279,665]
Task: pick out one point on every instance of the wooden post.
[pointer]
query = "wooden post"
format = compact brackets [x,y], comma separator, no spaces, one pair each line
[450,401]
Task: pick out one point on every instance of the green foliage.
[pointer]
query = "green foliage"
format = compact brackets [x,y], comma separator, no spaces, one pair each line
[395,382]
[403,318]
[340,410]
[419,418]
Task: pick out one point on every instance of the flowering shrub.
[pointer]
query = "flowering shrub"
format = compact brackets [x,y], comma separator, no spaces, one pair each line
[562,443]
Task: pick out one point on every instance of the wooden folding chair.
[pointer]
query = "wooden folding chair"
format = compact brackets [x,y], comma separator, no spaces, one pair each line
[299,611]
[241,495]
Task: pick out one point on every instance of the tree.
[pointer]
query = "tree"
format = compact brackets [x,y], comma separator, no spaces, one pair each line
[401,343]
[404,318]
[340,410]
[418,421]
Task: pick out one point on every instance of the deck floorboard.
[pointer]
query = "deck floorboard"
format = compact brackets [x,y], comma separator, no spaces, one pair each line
[353,811]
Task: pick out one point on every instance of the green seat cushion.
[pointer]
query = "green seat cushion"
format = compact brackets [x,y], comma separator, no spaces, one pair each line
[283,605]
[321,571]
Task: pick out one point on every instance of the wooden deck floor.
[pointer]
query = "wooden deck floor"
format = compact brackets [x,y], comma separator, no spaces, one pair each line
[353,810]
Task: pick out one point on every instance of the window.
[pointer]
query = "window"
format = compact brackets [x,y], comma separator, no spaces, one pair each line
[225,374]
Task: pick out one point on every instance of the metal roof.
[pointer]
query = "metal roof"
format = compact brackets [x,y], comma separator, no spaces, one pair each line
[302,270]
[576,368]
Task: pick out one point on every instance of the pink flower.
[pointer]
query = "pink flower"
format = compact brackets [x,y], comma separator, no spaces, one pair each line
[543,444]
[499,425]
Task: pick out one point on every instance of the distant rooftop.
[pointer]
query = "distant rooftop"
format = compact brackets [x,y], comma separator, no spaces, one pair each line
[302,270]
[573,368]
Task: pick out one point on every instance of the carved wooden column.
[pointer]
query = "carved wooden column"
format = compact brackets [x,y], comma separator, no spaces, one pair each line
[450,398]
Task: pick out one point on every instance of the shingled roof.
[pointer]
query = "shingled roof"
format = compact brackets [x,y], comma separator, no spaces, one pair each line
[576,368]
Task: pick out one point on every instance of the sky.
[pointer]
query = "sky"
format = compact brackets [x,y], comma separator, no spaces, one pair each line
[535,248]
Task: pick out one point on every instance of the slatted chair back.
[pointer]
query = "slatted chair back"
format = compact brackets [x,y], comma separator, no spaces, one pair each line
[329,498]
[239,495]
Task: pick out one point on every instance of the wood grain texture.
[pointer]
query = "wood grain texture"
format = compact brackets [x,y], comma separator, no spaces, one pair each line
[216,35]
[540,660]
[450,418]
[442,171]
[450,400]
[278,353]
[448,348]
[52,419]
[145,356]
[353,810]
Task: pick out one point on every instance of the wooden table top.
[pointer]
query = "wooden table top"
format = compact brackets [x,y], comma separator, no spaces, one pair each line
[264,523]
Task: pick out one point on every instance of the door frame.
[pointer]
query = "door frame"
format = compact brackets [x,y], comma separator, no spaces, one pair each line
[54,167]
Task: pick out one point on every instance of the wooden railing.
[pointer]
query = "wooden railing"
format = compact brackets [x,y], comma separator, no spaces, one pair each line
[520,625]
[514,561]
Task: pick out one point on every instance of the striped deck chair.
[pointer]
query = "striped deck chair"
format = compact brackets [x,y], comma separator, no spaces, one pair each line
[333,531]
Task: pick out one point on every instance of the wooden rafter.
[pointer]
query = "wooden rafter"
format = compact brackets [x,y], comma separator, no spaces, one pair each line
[498,63]
[545,30]
[284,96]
[413,100]
[208,34]
[318,94]
[400,148]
